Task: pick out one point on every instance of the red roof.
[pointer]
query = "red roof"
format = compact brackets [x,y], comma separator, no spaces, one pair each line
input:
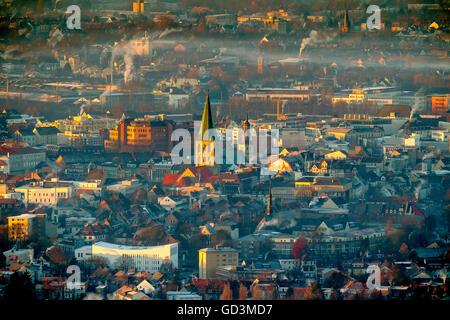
[8,201]
[87,191]
[92,230]
[4,150]
[17,178]
[53,283]
[104,205]
[299,293]
[203,173]
[185,182]
[417,211]
[170,179]
[213,179]
[96,174]
[229,178]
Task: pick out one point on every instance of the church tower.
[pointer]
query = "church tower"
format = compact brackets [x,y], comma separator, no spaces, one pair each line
[244,143]
[204,145]
[346,22]
[246,124]
[268,216]
[269,202]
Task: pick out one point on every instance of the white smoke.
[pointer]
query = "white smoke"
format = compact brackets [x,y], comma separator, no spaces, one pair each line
[127,52]
[282,224]
[413,111]
[306,41]
[315,37]
[272,222]
[167,31]
[418,188]
[416,103]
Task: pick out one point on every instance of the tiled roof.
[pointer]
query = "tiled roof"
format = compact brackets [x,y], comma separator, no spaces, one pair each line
[4,150]
[170,179]
[399,109]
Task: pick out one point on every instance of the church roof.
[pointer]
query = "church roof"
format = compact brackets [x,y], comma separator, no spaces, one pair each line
[207,121]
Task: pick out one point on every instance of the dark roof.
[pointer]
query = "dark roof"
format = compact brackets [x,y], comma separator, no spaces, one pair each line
[45,131]
[400,110]
[26,132]
[4,150]
[423,253]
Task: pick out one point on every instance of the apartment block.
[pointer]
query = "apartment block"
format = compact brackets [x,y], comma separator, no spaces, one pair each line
[211,258]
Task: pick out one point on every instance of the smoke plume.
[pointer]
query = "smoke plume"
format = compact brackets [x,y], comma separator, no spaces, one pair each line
[306,41]
[127,53]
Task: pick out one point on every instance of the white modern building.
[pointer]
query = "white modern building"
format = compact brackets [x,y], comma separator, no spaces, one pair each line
[18,256]
[148,259]
[47,194]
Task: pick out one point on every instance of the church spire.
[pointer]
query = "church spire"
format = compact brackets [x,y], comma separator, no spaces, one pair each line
[346,22]
[207,121]
[246,124]
[204,145]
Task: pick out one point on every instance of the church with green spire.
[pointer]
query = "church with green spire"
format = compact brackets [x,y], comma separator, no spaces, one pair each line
[204,144]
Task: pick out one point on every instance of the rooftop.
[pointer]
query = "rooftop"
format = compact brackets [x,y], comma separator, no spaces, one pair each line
[124,247]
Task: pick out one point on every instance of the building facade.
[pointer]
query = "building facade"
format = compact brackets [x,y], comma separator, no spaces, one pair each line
[45,194]
[211,258]
[141,134]
[147,259]
[24,226]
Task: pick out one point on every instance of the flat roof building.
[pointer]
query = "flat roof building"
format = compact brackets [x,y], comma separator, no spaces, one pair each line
[211,258]
[140,258]
[26,225]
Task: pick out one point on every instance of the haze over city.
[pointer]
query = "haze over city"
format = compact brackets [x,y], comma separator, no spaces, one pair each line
[224,150]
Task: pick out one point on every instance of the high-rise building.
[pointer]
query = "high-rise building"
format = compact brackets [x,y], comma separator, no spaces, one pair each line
[140,135]
[24,226]
[438,102]
[211,258]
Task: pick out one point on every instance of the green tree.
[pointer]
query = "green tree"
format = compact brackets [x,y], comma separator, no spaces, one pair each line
[336,280]
[266,248]
[289,292]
